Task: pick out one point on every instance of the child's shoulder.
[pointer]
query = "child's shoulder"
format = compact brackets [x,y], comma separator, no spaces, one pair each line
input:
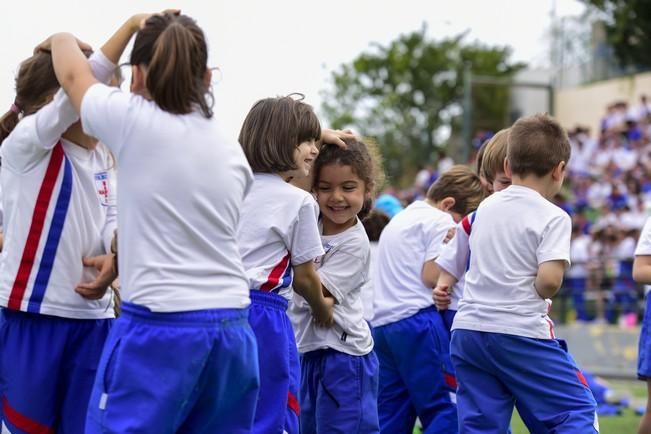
[353,241]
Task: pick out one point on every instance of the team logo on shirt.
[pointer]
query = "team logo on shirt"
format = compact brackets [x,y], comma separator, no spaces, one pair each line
[102,186]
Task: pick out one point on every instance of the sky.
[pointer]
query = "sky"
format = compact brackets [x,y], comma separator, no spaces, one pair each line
[275,47]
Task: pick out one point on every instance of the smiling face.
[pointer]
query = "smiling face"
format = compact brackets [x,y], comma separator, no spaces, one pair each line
[304,156]
[340,193]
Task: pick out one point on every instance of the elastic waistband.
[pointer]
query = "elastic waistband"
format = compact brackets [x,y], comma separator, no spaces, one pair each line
[208,317]
[268,299]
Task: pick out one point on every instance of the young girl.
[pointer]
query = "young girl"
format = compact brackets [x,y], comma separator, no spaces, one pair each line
[279,137]
[339,370]
[181,357]
[59,202]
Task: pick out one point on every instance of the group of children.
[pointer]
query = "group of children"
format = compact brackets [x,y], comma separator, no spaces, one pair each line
[242,293]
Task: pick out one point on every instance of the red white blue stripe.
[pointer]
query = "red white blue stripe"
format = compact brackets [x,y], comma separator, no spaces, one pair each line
[58,166]
[280,276]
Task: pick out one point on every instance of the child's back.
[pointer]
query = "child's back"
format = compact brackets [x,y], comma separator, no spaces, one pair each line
[513,232]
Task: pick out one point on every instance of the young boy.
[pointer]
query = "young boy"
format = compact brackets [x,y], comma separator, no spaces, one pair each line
[503,345]
[411,342]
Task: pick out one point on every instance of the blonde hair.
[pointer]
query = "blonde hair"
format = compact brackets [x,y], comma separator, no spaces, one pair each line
[463,185]
[494,155]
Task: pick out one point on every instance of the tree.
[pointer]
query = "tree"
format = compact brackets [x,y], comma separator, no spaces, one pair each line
[628,29]
[408,95]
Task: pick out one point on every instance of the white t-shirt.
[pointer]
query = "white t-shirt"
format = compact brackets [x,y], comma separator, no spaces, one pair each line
[455,256]
[278,229]
[59,203]
[182,184]
[515,230]
[344,270]
[644,242]
[413,237]
[368,291]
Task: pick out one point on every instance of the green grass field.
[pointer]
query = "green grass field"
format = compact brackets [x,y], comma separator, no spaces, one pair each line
[627,423]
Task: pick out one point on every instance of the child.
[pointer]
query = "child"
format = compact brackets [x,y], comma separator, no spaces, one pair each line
[59,202]
[502,323]
[279,137]
[374,224]
[339,370]
[410,339]
[181,357]
[642,274]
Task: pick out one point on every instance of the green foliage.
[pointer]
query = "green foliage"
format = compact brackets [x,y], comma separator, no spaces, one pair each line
[407,93]
[628,29]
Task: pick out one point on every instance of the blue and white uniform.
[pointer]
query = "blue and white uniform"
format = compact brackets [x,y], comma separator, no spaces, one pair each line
[644,353]
[59,206]
[278,230]
[411,341]
[181,357]
[339,370]
[502,325]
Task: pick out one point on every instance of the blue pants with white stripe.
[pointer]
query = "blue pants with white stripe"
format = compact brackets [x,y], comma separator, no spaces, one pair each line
[176,372]
[416,375]
[339,393]
[496,369]
[280,376]
[47,370]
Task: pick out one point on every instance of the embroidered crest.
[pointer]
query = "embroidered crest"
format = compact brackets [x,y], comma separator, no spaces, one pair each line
[102,187]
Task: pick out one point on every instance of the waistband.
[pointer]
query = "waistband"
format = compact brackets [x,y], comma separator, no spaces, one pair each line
[268,299]
[208,317]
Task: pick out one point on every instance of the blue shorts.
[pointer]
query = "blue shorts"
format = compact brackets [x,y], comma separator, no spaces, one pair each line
[644,350]
[47,370]
[496,369]
[183,372]
[339,393]
[280,376]
[416,375]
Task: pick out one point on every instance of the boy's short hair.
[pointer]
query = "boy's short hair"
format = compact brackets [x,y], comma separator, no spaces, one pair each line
[272,130]
[460,183]
[494,155]
[536,144]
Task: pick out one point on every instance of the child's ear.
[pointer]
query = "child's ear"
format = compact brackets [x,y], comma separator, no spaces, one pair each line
[447,203]
[559,170]
[137,79]
[207,77]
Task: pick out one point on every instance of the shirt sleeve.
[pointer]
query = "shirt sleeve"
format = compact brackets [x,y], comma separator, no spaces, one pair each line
[344,270]
[555,241]
[105,112]
[644,243]
[455,254]
[434,236]
[304,239]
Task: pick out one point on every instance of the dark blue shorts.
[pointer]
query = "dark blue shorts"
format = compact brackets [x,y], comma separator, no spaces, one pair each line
[416,375]
[644,349]
[339,393]
[183,372]
[47,370]
[280,376]
[494,370]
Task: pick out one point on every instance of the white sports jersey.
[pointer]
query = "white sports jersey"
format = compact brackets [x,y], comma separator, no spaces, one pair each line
[278,229]
[182,184]
[59,203]
[515,230]
[455,256]
[344,270]
[413,237]
[644,242]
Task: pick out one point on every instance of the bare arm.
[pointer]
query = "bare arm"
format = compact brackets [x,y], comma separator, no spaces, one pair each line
[430,273]
[441,294]
[549,278]
[308,285]
[642,269]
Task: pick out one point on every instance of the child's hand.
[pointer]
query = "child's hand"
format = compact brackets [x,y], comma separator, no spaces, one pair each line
[95,290]
[441,297]
[449,235]
[47,46]
[138,21]
[336,137]
[323,316]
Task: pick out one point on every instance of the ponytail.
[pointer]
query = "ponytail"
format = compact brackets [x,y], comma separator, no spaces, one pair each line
[174,50]
[7,123]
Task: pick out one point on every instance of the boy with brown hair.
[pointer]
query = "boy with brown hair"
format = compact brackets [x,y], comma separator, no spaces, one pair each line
[411,342]
[502,324]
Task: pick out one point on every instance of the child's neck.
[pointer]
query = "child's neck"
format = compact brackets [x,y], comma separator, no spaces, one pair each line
[543,185]
[331,228]
[76,135]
